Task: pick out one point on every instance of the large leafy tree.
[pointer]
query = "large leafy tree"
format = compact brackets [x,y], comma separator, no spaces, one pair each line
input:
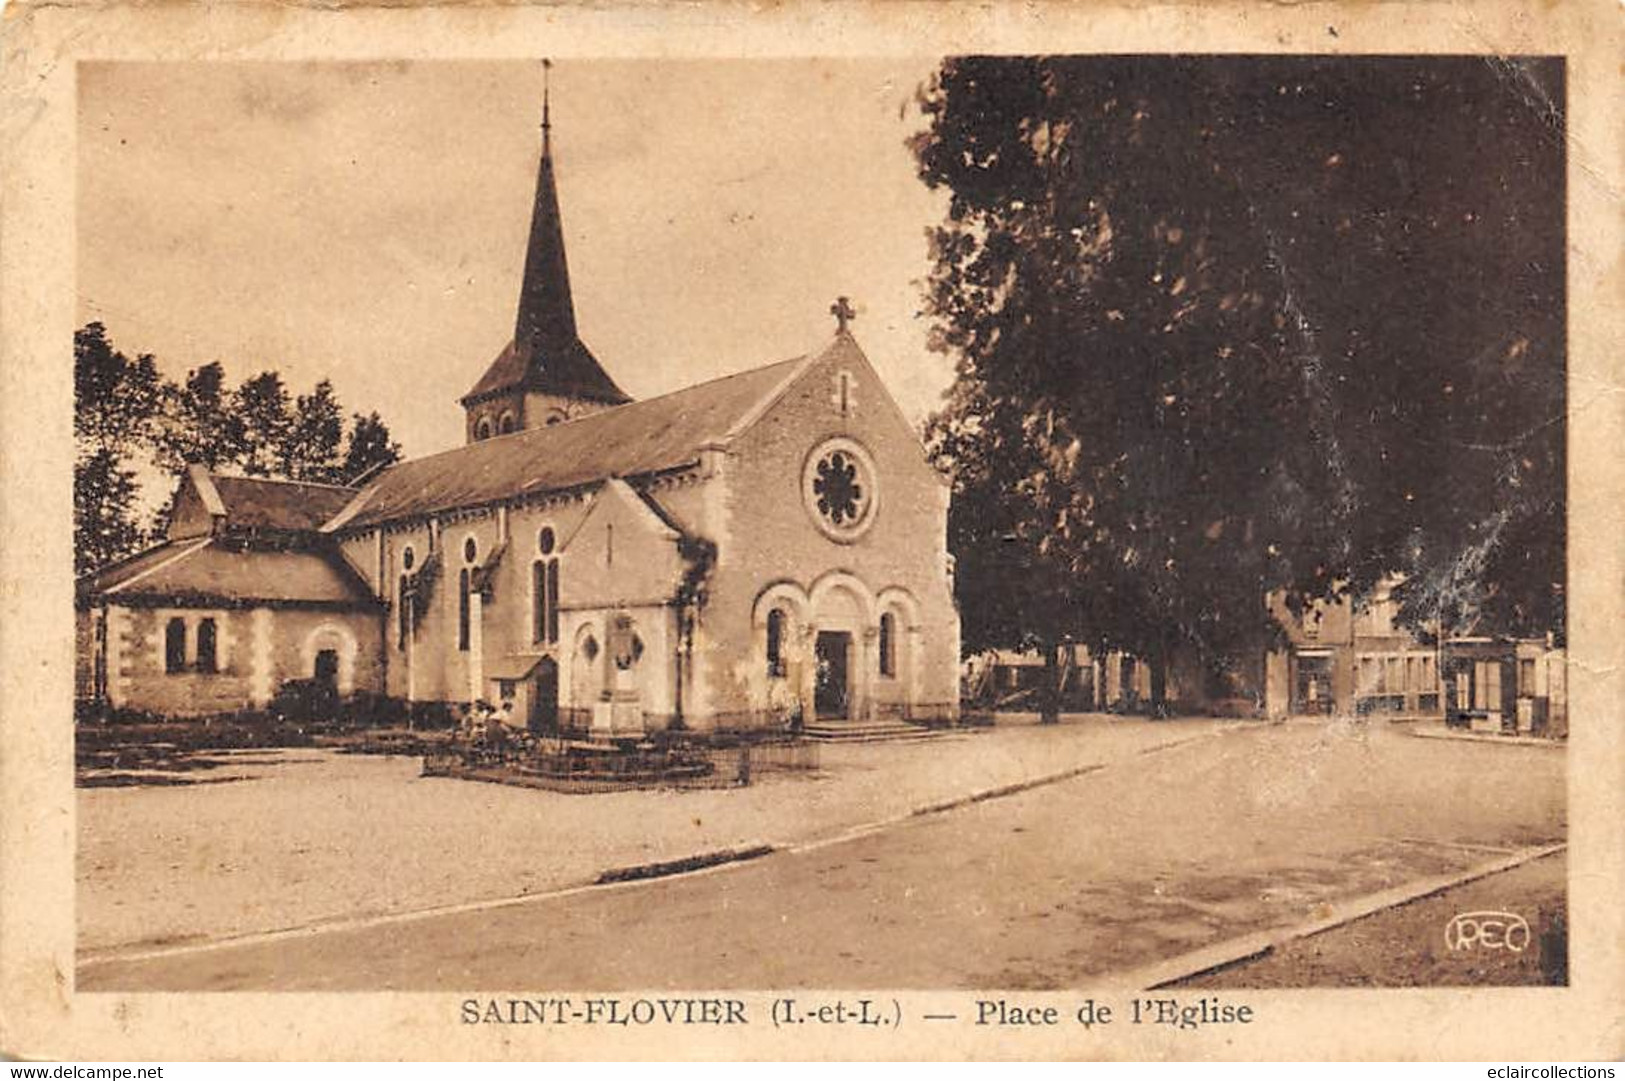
[1209,354]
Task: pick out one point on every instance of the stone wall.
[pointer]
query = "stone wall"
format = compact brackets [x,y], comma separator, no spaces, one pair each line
[257,650]
[613,554]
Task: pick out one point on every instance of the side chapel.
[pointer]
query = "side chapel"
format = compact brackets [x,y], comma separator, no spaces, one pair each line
[766,546]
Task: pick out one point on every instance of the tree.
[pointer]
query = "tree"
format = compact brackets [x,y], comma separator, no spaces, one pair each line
[314,436]
[115,398]
[198,423]
[368,448]
[115,402]
[1153,281]
[104,525]
[261,403]
[1079,284]
[1012,586]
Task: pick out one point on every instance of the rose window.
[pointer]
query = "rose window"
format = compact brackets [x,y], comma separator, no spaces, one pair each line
[840,493]
[839,489]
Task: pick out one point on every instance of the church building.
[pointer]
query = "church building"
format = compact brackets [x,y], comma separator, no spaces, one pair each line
[738,554]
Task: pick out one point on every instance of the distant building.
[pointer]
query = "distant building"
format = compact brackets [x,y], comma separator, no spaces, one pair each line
[1507,685]
[1114,681]
[1348,657]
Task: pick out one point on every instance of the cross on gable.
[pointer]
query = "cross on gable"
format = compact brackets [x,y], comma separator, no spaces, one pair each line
[843,312]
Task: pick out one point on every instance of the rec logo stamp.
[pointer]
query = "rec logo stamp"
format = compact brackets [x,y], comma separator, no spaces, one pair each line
[1487,930]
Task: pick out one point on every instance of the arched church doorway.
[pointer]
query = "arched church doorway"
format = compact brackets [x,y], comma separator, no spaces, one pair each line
[832,688]
[843,643]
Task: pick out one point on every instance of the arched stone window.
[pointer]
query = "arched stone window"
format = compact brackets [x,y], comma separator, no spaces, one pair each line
[402,599]
[175,645]
[328,654]
[775,644]
[465,583]
[464,609]
[506,424]
[208,650]
[552,600]
[482,430]
[888,645]
[544,590]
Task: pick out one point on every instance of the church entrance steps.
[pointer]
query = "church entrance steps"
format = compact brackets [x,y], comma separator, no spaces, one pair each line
[830,731]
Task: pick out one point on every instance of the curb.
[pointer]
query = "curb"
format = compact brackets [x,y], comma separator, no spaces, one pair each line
[1235,951]
[614,878]
[1487,737]
[1001,791]
[665,868]
[852,833]
[1051,778]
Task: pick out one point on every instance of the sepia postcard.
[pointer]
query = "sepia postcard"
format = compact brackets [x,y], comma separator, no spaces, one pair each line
[850,530]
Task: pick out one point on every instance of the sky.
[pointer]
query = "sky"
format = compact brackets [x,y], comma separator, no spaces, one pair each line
[366,223]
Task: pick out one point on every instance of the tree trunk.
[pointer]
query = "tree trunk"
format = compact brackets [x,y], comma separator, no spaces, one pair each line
[1159,680]
[1051,697]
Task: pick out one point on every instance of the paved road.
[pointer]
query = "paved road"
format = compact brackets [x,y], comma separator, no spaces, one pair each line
[1144,860]
[1405,946]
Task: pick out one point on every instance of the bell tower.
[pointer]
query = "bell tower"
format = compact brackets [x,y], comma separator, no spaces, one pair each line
[546,374]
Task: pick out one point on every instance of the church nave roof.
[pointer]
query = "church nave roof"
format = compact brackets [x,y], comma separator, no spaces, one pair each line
[629,440]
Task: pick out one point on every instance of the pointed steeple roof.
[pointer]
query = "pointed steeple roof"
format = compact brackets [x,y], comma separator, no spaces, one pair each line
[546,353]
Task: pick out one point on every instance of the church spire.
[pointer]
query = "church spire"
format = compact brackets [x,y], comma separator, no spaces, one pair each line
[547,122]
[546,320]
[546,373]
[547,356]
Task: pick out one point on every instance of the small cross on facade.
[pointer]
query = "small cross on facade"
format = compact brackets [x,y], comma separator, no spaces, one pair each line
[843,312]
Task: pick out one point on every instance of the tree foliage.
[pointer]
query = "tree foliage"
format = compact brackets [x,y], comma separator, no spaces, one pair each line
[128,416]
[263,407]
[367,448]
[315,437]
[105,526]
[1225,326]
[117,401]
[198,424]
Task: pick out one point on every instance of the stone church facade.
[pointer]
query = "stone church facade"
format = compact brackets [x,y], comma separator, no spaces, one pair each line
[749,552]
